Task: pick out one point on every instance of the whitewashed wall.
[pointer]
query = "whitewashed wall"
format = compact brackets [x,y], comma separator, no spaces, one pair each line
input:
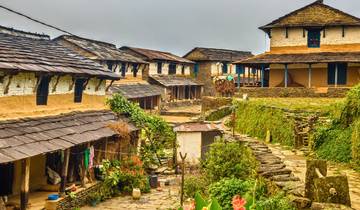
[190,143]
[165,69]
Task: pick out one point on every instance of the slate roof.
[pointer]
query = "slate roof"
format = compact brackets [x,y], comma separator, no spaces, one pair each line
[316,14]
[33,136]
[321,57]
[138,90]
[18,53]
[151,55]
[224,55]
[102,50]
[173,80]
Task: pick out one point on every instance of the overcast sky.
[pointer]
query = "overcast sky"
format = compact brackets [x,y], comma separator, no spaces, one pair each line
[176,26]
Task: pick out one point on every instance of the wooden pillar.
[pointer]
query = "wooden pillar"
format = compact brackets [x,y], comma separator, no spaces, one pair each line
[64,172]
[178,92]
[239,75]
[151,102]
[106,148]
[336,75]
[262,75]
[286,76]
[249,72]
[25,179]
[310,75]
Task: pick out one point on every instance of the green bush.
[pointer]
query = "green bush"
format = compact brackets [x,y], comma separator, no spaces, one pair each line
[195,184]
[224,190]
[228,159]
[277,202]
[255,119]
[356,143]
[219,114]
[351,110]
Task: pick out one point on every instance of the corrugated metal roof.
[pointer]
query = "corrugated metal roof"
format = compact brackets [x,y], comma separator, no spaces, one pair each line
[20,53]
[28,137]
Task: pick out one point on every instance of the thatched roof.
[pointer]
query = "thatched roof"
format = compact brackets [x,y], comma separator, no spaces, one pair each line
[101,50]
[29,137]
[302,58]
[137,90]
[220,55]
[316,14]
[21,53]
[154,55]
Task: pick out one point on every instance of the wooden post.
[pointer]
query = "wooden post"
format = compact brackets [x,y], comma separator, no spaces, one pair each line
[336,75]
[310,74]
[249,72]
[286,76]
[182,177]
[64,172]
[105,148]
[178,92]
[239,75]
[262,75]
[25,179]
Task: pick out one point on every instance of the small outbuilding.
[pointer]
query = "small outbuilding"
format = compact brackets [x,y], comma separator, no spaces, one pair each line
[195,138]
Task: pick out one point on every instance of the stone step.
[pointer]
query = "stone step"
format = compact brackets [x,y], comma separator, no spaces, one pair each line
[269,174]
[285,178]
[267,167]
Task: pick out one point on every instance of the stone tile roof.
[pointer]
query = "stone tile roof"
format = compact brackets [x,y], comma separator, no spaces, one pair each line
[33,136]
[131,91]
[102,50]
[316,14]
[173,80]
[151,55]
[18,53]
[298,58]
[222,55]
[197,127]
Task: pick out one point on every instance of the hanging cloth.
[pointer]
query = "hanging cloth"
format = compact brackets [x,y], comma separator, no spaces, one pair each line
[92,155]
[86,158]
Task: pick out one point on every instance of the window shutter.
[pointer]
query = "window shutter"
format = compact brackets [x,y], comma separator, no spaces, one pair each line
[42,91]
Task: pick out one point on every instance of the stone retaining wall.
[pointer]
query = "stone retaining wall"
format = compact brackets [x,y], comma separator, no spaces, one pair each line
[81,198]
[290,92]
[212,103]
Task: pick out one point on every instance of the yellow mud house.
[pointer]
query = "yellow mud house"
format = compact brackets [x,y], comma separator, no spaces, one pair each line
[316,46]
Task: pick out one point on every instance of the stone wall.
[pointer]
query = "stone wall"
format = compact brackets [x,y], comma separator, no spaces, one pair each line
[277,92]
[211,103]
[81,199]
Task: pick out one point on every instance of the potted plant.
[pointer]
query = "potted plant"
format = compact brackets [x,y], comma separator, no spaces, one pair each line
[94,199]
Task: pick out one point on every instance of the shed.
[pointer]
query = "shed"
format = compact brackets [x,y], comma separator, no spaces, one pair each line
[195,138]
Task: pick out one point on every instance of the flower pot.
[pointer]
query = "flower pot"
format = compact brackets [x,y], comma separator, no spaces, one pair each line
[136,193]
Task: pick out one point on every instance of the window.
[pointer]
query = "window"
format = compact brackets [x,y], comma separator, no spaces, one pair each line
[314,38]
[196,69]
[123,69]
[239,69]
[42,91]
[183,70]
[135,69]
[79,89]
[341,73]
[110,65]
[172,68]
[159,67]
[225,68]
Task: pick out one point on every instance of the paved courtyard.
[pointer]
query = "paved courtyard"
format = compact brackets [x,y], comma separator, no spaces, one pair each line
[165,198]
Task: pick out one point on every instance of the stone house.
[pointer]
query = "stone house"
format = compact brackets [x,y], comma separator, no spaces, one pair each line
[316,46]
[172,73]
[52,111]
[212,64]
[194,140]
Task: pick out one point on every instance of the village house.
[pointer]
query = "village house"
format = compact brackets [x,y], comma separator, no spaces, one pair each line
[129,67]
[171,72]
[316,46]
[53,117]
[212,64]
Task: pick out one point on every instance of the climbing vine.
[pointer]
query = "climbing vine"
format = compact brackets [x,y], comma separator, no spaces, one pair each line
[157,135]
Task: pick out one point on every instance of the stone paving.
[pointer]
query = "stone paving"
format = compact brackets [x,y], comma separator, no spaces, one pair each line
[296,161]
[165,198]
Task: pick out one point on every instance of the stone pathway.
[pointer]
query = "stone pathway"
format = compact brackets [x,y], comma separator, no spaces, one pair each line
[296,162]
[164,199]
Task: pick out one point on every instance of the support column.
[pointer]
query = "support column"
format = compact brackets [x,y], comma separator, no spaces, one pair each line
[249,72]
[239,70]
[178,92]
[64,172]
[286,76]
[25,179]
[310,75]
[262,75]
[336,75]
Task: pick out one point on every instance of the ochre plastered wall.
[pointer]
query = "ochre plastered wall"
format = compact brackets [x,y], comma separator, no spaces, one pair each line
[37,174]
[333,40]
[20,101]
[319,76]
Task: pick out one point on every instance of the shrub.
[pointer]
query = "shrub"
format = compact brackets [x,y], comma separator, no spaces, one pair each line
[195,184]
[255,119]
[224,190]
[228,159]
[277,202]
[351,109]
[356,143]
[219,114]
